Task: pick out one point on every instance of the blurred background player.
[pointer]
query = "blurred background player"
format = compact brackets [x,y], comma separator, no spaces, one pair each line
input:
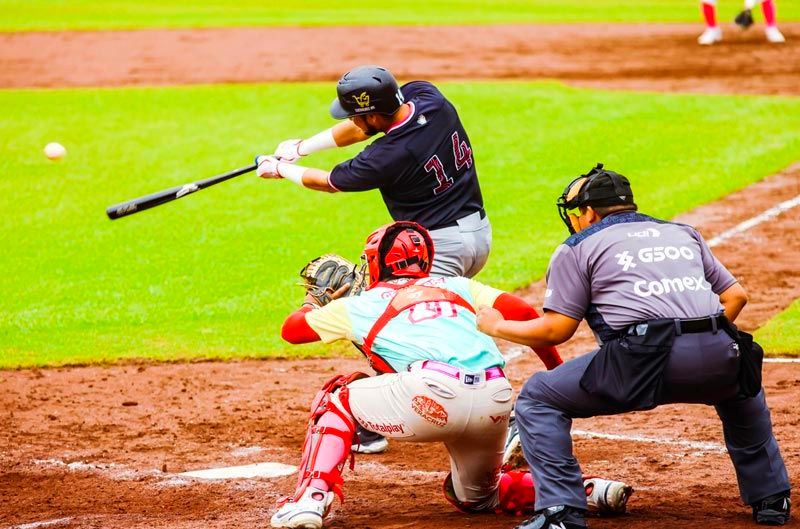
[713,33]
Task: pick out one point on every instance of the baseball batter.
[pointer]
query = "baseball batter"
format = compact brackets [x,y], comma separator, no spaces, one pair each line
[713,33]
[423,164]
[662,305]
[441,380]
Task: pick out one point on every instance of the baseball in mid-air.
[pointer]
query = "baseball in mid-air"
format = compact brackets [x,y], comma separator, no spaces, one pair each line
[54,151]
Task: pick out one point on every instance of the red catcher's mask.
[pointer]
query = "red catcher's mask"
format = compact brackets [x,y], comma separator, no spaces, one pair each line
[399,249]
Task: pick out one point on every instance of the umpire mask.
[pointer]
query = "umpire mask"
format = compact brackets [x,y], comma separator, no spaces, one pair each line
[597,188]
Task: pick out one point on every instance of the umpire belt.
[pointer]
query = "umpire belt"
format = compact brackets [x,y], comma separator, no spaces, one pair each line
[683,326]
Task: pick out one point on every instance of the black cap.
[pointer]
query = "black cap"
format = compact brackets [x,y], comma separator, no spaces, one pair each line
[365,90]
[600,188]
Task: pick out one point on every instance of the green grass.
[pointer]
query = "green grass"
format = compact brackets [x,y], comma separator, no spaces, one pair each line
[30,15]
[781,334]
[214,274]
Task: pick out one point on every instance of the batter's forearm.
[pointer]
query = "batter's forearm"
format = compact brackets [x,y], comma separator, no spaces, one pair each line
[315,179]
[318,180]
[347,133]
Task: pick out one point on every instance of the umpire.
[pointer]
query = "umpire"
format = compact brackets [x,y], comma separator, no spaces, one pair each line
[662,307]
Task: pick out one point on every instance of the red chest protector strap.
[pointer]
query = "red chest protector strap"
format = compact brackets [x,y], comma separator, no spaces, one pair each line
[406,297]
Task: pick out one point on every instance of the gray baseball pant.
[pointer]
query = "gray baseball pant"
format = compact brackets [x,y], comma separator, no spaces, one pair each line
[702,368]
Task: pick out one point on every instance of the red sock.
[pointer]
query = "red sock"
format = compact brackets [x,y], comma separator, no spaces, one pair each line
[710,14]
[768,8]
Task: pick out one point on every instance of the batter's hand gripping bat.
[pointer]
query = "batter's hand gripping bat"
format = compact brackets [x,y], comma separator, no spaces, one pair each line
[168,195]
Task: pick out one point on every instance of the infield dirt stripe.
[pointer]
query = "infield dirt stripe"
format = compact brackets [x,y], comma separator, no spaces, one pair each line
[662,57]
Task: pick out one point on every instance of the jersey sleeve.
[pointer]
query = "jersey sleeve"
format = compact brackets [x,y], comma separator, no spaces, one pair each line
[717,275]
[331,322]
[423,90]
[568,289]
[362,173]
[483,294]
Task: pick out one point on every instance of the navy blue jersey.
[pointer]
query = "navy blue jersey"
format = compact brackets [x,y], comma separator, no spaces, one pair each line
[423,167]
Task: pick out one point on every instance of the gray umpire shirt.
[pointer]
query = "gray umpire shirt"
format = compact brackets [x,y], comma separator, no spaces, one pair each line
[630,268]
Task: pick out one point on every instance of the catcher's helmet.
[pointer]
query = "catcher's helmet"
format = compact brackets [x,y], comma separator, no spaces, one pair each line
[598,188]
[365,90]
[399,249]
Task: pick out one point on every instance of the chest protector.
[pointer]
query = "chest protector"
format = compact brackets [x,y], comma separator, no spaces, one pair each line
[406,297]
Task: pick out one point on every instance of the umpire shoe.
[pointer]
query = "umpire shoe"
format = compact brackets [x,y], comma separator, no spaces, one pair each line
[773,510]
[558,517]
[369,442]
[306,513]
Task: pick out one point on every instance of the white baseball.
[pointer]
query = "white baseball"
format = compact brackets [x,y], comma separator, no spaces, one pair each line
[54,151]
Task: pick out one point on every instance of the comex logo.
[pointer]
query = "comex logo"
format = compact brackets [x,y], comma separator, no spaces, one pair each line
[669,285]
[649,232]
[625,260]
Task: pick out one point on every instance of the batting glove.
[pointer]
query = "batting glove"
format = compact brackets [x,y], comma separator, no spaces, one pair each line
[288,151]
[267,167]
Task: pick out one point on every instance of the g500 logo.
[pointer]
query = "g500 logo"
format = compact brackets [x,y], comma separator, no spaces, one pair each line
[654,254]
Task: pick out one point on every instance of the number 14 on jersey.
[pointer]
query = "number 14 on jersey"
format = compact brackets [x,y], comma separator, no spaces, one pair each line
[462,155]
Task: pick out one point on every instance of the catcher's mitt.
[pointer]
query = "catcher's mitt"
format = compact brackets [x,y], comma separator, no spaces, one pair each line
[327,273]
[744,19]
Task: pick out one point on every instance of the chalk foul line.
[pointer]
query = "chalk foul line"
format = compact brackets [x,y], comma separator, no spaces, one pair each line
[764,216]
[694,445]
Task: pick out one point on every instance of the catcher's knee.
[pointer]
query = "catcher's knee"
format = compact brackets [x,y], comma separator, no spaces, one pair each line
[334,393]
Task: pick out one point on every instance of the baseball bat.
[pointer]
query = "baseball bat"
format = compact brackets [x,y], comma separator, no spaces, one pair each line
[168,195]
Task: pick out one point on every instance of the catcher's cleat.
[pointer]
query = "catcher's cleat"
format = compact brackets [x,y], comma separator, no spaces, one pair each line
[607,497]
[513,458]
[710,36]
[307,513]
[773,510]
[559,517]
[774,35]
[744,19]
[369,442]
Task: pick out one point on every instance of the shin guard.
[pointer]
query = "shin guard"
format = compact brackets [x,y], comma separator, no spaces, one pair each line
[331,429]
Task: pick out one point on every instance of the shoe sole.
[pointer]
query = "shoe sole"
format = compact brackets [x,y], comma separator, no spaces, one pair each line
[300,521]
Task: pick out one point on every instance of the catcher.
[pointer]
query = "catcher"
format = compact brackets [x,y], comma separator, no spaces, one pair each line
[441,380]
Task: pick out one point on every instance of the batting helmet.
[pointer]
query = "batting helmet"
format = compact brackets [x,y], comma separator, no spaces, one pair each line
[399,249]
[598,188]
[365,90]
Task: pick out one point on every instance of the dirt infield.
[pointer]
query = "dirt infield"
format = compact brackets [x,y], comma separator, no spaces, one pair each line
[634,56]
[90,447]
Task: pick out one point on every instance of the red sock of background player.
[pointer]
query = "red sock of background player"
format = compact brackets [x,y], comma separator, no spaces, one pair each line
[768,8]
[710,14]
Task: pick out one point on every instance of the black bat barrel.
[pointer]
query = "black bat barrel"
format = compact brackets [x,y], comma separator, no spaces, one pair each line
[168,195]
